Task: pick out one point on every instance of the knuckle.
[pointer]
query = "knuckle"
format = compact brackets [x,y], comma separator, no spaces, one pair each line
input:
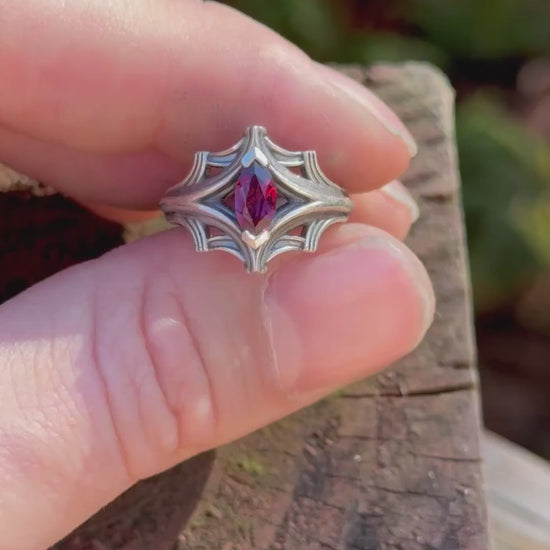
[177,358]
[152,379]
[172,383]
[156,381]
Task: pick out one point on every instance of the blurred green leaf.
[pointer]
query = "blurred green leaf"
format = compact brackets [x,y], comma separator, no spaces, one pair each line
[376,47]
[485,28]
[533,220]
[501,263]
[503,187]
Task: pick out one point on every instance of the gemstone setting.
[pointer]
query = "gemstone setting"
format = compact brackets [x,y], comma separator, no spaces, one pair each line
[255,198]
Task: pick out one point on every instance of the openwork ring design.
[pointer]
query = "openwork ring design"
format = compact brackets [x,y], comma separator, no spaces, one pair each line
[256,200]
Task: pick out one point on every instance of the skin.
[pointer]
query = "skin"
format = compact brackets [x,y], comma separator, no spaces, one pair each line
[120,367]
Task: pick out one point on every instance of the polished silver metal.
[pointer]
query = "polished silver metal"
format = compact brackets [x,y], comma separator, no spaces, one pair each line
[308,202]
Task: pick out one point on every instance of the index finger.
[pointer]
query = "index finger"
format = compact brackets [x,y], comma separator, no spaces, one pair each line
[117,96]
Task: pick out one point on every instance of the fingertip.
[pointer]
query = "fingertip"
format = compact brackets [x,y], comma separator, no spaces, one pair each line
[368,100]
[396,191]
[391,208]
[390,145]
[348,311]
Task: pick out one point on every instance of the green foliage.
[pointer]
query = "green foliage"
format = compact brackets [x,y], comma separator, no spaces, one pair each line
[376,47]
[506,193]
[485,28]
[320,29]
[461,28]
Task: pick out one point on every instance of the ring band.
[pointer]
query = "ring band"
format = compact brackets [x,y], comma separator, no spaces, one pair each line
[256,200]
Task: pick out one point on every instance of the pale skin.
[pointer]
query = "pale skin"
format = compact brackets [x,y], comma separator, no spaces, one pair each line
[120,367]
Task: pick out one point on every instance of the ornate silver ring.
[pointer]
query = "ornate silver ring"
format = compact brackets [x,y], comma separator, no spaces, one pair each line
[256,200]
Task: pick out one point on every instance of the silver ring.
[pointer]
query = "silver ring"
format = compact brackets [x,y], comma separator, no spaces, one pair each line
[256,200]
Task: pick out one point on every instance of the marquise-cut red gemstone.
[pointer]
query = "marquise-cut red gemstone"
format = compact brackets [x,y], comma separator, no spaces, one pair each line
[255,198]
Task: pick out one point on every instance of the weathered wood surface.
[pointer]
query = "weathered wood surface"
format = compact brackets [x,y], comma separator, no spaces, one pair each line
[389,463]
[149,515]
[392,462]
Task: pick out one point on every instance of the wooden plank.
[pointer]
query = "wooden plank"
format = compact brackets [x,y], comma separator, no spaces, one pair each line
[518,491]
[394,461]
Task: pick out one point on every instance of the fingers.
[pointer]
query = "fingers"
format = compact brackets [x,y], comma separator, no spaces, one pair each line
[124,179]
[118,368]
[113,98]
[391,208]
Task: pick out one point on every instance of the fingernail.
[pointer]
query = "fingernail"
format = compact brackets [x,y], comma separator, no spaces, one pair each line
[379,240]
[391,121]
[398,192]
[367,99]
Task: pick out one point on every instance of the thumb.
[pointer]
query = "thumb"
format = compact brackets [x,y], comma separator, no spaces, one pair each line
[120,367]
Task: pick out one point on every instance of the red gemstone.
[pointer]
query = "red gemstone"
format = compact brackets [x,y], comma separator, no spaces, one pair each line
[255,198]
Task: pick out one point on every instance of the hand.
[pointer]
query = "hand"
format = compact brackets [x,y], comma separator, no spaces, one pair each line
[120,367]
